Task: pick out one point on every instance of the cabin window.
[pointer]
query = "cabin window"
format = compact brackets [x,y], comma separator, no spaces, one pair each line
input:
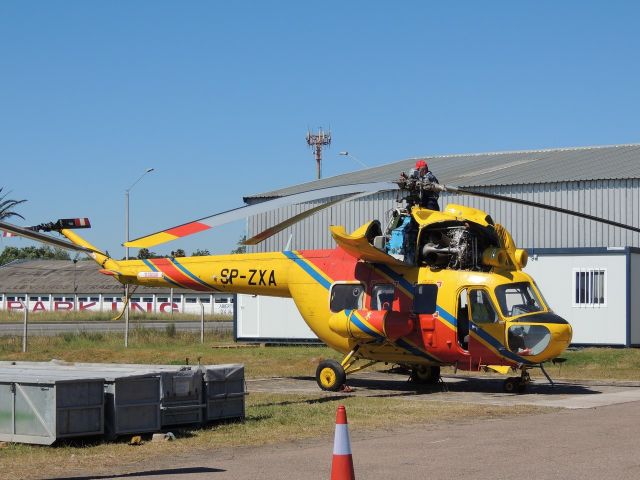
[205,300]
[108,299]
[43,299]
[177,299]
[221,300]
[382,297]
[190,300]
[517,298]
[94,299]
[346,296]
[425,298]
[482,310]
[163,299]
[83,299]
[589,287]
[147,299]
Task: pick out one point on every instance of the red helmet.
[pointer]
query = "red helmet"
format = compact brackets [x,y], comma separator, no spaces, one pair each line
[421,164]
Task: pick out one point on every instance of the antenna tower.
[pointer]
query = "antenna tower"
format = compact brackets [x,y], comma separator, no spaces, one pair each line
[316,141]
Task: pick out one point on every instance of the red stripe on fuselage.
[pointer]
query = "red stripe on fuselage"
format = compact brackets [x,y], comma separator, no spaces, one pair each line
[188,229]
[170,270]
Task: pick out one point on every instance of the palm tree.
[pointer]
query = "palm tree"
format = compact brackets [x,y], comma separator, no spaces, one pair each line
[6,206]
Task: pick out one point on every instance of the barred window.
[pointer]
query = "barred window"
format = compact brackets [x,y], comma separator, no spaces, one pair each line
[590,287]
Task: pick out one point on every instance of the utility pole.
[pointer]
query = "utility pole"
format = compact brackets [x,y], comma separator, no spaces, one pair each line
[316,141]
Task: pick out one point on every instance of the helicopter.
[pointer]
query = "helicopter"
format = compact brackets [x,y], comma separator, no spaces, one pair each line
[428,289]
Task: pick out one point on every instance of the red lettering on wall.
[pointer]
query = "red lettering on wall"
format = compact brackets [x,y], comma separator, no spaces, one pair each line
[137,306]
[86,306]
[62,306]
[163,307]
[39,307]
[14,305]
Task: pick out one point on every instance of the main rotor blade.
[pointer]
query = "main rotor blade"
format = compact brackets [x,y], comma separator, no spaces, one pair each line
[463,191]
[41,237]
[239,213]
[269,232]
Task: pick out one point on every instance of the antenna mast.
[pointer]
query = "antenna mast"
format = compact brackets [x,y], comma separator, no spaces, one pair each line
[316,141]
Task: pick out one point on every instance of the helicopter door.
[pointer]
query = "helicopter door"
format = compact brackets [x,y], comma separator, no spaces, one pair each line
[486,331]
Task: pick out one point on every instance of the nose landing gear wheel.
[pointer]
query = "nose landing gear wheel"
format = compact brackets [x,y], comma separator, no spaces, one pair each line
[330,375]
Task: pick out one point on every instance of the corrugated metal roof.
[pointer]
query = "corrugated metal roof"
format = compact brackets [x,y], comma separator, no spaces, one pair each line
[498,168]
[61,276]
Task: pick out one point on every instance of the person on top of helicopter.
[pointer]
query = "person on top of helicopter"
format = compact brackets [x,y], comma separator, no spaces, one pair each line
[428,198]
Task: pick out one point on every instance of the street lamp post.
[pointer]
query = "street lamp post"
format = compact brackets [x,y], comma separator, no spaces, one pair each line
[126,254]
[347,154]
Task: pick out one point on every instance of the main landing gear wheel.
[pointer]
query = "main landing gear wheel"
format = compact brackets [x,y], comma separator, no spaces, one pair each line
[330,375]
[515,385]
[425,375]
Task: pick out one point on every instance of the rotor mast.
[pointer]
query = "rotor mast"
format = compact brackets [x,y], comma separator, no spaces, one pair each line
[316,141]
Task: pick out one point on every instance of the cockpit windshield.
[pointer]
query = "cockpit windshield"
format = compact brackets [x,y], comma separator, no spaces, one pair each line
[517,299]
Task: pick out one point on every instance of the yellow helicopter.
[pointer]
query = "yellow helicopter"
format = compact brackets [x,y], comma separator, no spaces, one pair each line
[429,289]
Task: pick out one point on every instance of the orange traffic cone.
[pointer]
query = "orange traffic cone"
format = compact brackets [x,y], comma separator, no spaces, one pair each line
[342,465]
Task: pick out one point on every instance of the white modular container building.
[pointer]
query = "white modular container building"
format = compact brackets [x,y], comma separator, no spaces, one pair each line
[594,289]
[259,318]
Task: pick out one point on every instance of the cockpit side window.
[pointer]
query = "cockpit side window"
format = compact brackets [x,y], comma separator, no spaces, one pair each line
[346,296]
[382,296]
[482,310]
[517,299]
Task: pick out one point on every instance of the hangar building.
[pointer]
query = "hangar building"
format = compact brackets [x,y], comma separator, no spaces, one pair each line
[587,270]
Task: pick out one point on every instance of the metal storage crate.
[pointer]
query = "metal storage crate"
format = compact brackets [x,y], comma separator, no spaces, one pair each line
[181,396]
[224,391]
[180,387]
[42,408]
[131,399]
[132,404]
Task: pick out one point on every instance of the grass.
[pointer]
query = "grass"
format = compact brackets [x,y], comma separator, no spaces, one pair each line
[174,347]
[65,317]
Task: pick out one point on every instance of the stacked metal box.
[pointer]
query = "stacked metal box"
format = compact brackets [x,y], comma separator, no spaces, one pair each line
[224,392]
[134,398]
[41,408]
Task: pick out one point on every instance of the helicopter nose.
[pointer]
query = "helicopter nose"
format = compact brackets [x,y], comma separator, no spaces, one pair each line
[561,335]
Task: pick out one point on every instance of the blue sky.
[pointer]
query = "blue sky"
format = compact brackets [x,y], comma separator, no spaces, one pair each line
[218,96]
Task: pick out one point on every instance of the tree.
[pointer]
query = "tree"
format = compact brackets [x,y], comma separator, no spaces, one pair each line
[201,253]
[7,205]
[240,248]
[178,253]
[9,254]
[145,253]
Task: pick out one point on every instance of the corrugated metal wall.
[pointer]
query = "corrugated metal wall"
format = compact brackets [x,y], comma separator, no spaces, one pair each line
[617,200]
